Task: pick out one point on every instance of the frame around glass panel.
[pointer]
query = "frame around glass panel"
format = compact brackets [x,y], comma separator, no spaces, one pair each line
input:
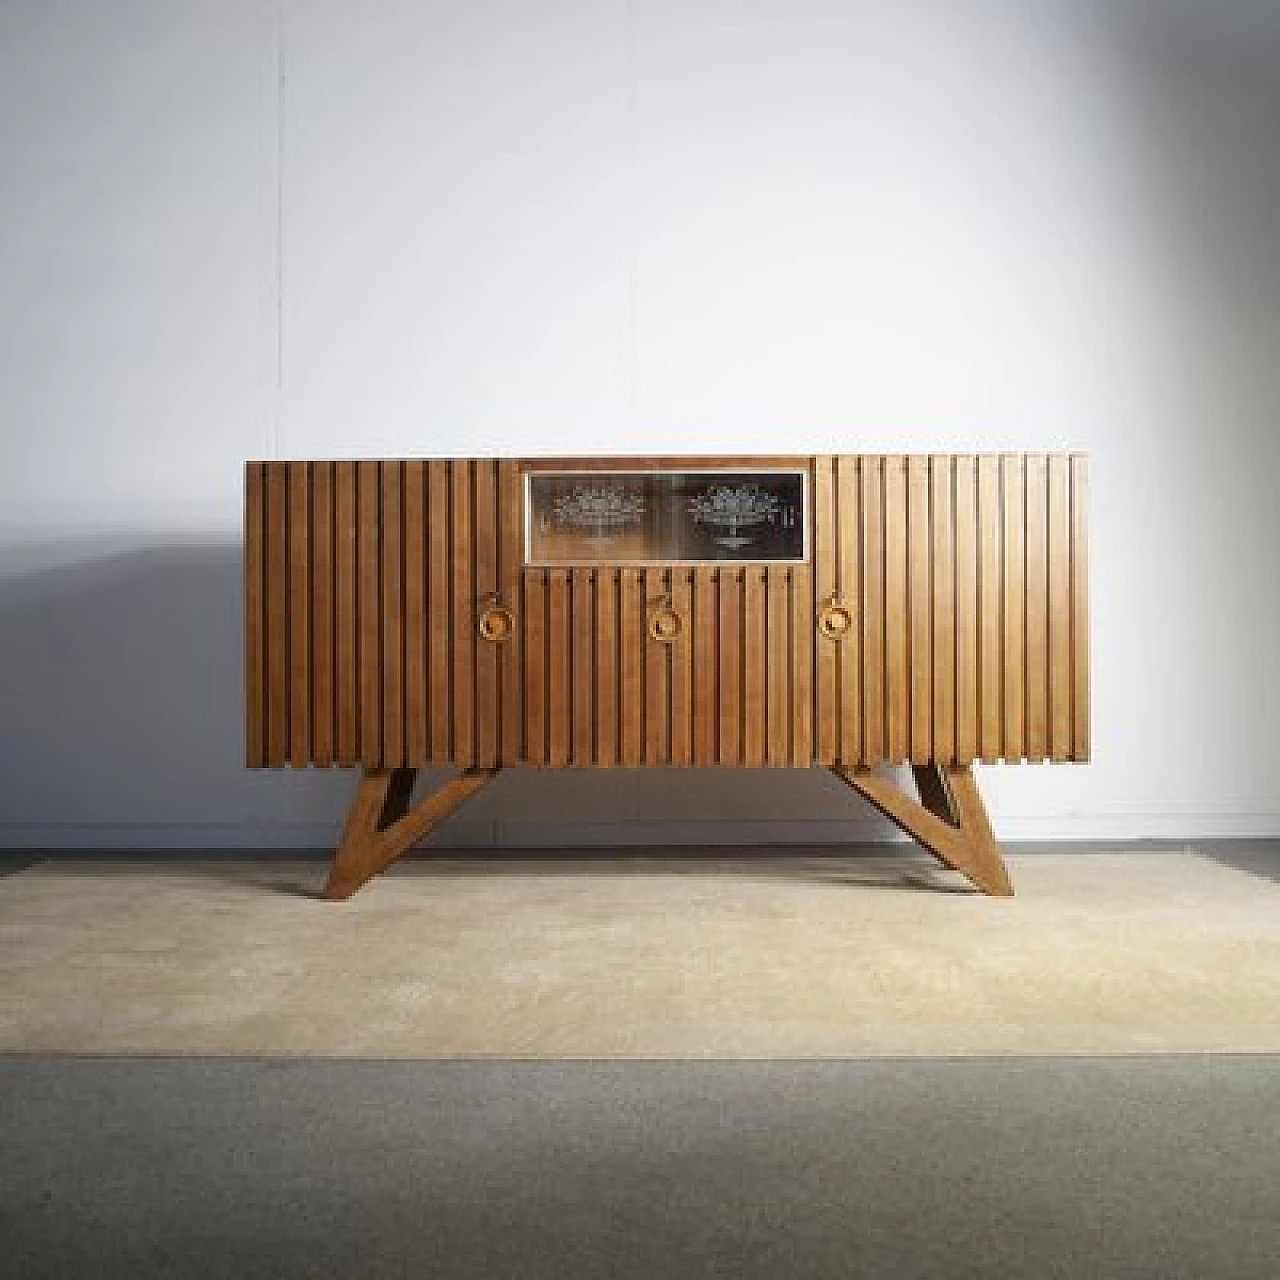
[702,515]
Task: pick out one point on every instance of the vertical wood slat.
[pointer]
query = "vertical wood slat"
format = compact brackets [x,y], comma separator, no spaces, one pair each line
[1012,499]
[990,598]
[802,614]
[414,558]
[322,590]
[966,593]
[825,540]
[897,671]
[778,599]
[392,619]
[849,564]
[1080,726]
[754,666]
[681,670]
[919,609]
[299,614]
[462,601]
[706,622]
[510,559]
[559,673]
[1059,601]
[630,667]
[439,612]
[942,737]
[872,612]
[346,640]
[1036,745]
[277,591]
[606,667]
[484,533]
[582,664]
[656,654]
[346,619]
[730,666]
[534,627]
[255,618]
[369,608]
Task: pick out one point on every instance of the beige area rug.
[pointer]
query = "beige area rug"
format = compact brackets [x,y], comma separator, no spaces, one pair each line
[635,957]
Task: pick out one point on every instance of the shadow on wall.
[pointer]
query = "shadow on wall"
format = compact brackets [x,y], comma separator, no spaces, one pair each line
[121,702]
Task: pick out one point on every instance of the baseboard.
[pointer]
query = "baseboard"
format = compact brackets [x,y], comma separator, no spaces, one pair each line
[642,833]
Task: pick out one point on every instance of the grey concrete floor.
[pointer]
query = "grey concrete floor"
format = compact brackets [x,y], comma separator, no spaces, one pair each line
[1102,1169]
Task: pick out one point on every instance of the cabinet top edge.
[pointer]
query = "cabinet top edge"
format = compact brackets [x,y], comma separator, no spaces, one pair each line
[622,461]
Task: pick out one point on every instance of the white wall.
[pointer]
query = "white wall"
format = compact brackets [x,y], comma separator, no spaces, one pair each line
[237,228]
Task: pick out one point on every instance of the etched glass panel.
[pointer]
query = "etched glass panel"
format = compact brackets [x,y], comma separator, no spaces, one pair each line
[665,517]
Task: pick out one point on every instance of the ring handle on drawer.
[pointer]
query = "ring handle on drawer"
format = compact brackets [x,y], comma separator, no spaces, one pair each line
[496,623]
[834,619]
[664,625]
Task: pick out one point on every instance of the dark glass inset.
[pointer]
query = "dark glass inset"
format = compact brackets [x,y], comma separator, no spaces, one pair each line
[664,517]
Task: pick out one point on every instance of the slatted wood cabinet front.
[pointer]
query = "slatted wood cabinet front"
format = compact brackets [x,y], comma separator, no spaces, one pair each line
[965,578]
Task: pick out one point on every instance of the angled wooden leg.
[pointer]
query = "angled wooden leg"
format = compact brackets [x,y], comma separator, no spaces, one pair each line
[949,820]
[381,826]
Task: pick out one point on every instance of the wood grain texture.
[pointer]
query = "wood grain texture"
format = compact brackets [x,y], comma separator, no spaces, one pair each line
[582,666]
[440,605]
[392,618]
[802,616]
[255,616]
[559,669]
[919,610]
[942,567]
[966,579]
[754,666]
[485,531]
[510,559]
[369,611]
[967,604]
[417,743]
[848,488]
[990,612]
[299,605]
[277,591]
[535,667]
[346,615]
[872,613]
[631,640]
[826,652]
[706,644]
[463,604]
[1080,717]
[321,692]
[1059,603]
[1015,578]
[1036,607]
[682,669]
[729,662]
[778,591]
[657,694]
[606,667]
[968,846]
[896,616]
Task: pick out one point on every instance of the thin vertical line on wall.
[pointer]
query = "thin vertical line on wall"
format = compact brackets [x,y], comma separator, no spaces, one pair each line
[278,404]
[631,110]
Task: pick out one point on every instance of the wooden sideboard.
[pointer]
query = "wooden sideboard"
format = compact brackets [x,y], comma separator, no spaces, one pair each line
[848,612]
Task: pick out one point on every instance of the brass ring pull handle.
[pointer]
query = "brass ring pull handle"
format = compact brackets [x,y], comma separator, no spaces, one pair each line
[664,625]
[496,623]
[834,619]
